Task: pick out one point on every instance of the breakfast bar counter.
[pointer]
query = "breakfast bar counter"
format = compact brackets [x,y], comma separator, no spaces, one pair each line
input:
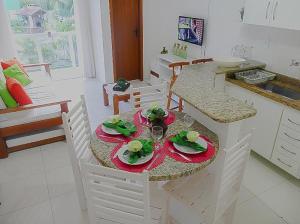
[215,104]
[215,109]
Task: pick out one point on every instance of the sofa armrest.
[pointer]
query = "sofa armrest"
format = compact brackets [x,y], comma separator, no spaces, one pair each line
[45,65]
[63,104]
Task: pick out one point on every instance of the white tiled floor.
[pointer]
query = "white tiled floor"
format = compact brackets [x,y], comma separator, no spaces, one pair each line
[37,186]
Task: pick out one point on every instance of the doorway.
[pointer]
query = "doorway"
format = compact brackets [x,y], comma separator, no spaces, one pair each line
[127,38]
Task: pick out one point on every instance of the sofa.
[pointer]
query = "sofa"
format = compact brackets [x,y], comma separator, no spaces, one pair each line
[36,124]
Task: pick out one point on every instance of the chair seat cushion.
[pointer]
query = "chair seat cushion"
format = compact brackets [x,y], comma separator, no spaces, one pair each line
[18,92]
[40,79]
[25,117]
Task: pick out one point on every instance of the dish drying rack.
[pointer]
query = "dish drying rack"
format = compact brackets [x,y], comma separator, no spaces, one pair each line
[255,76]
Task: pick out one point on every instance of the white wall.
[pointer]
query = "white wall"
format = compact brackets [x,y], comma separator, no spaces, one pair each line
[107,43]
[96,27]
[276,47]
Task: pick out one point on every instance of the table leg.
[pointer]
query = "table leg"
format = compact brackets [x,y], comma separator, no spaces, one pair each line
[64,108]
[3,149]
[180,108]
[105,95]
[116,104]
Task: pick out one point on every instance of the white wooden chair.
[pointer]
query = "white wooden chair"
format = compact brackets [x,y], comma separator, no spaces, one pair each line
[78,133]
[210,195]
[116,196]
[143,97]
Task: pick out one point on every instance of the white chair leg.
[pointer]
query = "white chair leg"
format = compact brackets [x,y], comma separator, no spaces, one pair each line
[229,215]
[80,193]
[165,214]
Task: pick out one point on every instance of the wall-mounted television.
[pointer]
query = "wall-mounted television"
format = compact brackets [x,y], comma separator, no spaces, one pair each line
[191,30]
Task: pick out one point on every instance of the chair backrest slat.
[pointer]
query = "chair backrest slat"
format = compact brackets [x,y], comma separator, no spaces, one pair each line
[143,97]
[116,195]
[233,161]
[120,192]
[78,131]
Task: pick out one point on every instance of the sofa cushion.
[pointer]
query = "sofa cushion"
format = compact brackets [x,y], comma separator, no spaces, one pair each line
[15,72]
[7,63]
[6,97]
[17,91]
[25,117]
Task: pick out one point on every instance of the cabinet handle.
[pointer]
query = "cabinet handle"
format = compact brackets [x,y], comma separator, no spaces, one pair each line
[286,134]
[293,122]
[275,10]
[284,163]
[267,10]
[293,153]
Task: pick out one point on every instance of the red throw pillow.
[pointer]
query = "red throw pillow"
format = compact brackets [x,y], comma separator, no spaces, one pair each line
[17,91]
[8,63]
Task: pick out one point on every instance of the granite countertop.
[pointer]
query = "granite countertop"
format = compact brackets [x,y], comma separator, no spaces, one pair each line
[213,67]
[170,169]
[192,87]
[281,80]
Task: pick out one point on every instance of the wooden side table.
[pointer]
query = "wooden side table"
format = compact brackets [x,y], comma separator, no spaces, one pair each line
[116,96]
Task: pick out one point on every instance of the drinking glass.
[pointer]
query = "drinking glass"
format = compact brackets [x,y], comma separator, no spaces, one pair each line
[188,120]
[157,134]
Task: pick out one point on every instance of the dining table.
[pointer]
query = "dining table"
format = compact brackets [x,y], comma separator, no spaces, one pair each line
[170,164]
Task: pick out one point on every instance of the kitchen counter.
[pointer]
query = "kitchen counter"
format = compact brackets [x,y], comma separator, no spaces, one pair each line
[217,105]
[213,68]
[280,80]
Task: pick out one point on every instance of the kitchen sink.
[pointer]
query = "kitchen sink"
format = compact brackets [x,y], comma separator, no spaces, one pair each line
[286,92]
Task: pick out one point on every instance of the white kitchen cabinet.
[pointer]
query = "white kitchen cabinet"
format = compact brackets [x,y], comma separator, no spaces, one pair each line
[274,13]
[277,130]
[266,122]
[286,14]
[266,125]
[257,12]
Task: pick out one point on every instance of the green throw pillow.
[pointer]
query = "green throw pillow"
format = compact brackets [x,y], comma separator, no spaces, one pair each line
[6,97]
[16,72]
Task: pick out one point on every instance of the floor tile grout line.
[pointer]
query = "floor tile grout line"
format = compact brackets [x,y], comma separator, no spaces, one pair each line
[48,191]
[35,173]
[269,189]
[30,206]
[277,215]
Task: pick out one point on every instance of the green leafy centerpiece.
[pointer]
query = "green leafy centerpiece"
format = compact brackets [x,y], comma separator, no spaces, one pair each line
[156,116]
[138,149]
[189,139]
[125,128]
[155,112]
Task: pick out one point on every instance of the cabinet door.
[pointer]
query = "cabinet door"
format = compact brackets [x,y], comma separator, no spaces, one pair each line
[285,14]
[258,12]
[266,124]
